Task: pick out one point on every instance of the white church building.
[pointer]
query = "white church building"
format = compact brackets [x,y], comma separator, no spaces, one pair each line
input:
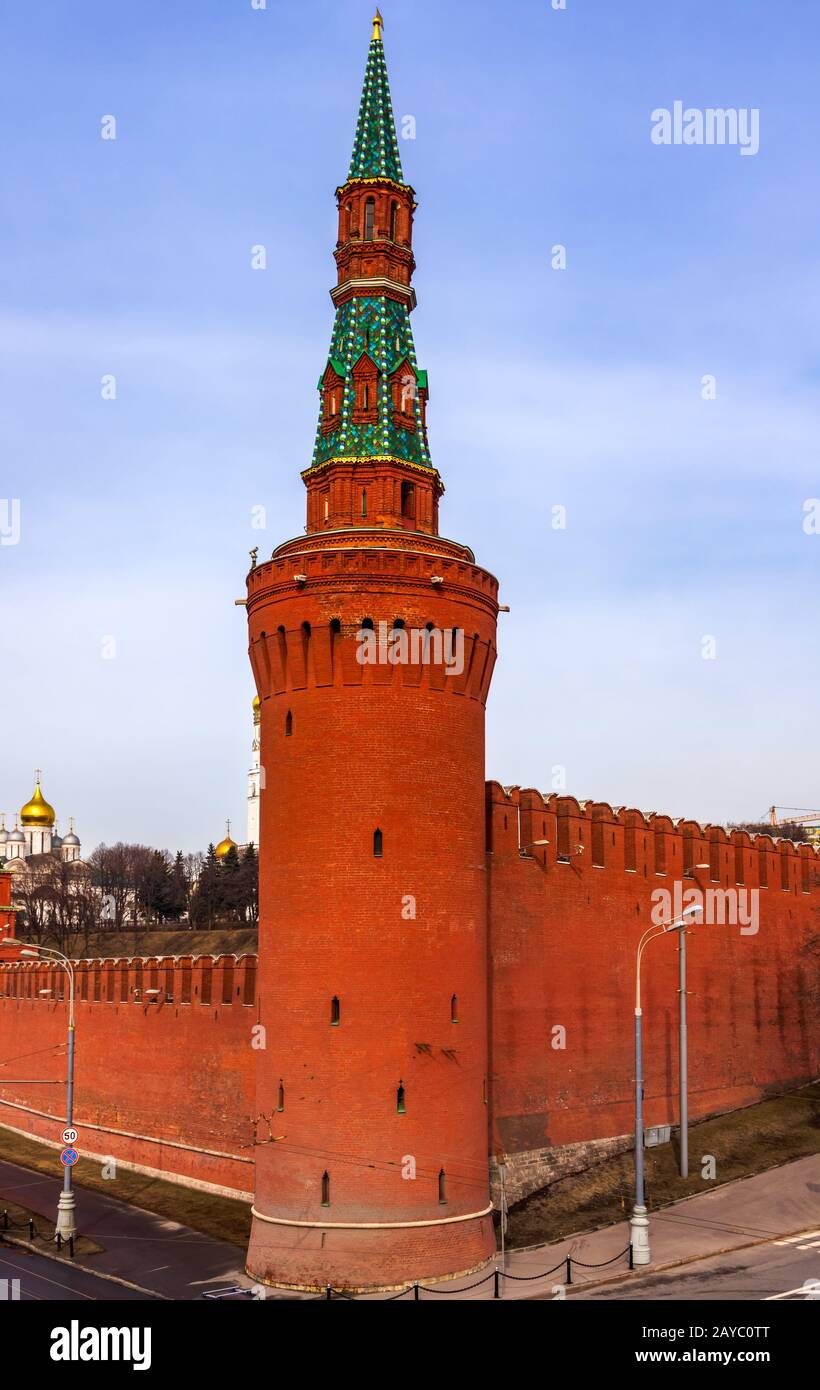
[35,832]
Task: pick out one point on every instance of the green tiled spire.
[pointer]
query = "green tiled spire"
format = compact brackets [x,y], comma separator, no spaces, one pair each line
[376,149]
[374,324]
[380,327]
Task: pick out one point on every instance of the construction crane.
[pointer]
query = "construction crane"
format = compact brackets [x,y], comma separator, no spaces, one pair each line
[801,815]
[786,815]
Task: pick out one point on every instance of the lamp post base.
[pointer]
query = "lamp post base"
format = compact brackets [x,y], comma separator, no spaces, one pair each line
[639,1236]
[66,1216]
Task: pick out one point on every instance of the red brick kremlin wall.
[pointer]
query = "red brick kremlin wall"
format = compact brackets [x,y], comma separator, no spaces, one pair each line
[564,926]
[168,1087]
[163,1081]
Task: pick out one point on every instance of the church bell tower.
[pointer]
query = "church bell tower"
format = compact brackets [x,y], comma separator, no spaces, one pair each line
[372,642]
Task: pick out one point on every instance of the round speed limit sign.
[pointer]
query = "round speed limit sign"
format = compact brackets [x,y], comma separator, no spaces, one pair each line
[69,1136]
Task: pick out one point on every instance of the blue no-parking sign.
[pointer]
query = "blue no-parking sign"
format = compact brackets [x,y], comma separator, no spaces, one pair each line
[69,1157]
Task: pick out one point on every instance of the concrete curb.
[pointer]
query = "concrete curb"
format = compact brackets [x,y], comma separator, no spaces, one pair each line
[95,1273]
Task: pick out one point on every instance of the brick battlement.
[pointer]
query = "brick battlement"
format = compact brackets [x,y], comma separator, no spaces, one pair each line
[164,1063]
[595,835]
[149,981]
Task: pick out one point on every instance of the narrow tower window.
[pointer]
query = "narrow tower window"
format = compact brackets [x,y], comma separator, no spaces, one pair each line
[454,1009]
[369,219]
[288,724]
[442,1187]
[281,1104]
[400,1105]
[394,219]
[378,844]
[364,503]
[325,1189]
[335,1012]
[408,502]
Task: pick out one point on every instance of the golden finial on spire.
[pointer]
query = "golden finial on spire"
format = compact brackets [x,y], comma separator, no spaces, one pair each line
[378,25]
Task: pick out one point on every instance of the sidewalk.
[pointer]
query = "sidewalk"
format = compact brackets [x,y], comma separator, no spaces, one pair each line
[162,1256]
[782,1201]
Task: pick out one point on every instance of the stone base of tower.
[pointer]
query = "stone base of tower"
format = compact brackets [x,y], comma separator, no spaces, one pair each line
[366,1260]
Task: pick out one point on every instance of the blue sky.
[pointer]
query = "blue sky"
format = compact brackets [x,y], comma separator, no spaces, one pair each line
[579,388]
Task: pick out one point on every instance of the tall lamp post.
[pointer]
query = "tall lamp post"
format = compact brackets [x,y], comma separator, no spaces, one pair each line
[639,1223]
[683,1051]
[66,1207]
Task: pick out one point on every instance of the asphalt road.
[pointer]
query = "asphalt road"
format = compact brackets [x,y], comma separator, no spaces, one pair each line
[740,1275]
[152,1251]
[44,1280]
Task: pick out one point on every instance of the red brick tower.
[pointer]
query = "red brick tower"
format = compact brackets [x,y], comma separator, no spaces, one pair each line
[372,641]
[7,926]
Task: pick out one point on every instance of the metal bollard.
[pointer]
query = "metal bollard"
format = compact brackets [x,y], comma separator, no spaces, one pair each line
[631,1260]
[415,1293]
[71,1246]
[30,1229]
[569,1269]
[496,1283]
[329,1294]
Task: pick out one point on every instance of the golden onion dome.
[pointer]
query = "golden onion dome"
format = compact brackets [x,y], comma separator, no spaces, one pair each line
[225,845]
[37,811]
[257,706]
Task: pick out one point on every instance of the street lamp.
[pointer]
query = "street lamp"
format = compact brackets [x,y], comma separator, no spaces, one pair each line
[66,1207]
[639,1224]
[683,1050]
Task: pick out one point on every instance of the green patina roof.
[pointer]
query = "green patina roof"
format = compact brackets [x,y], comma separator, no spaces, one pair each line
[376,325]
[381,328]
[338,367]
[376,149]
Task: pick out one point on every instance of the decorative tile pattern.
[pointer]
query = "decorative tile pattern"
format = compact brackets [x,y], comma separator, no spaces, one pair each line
[380,327]
[376,149]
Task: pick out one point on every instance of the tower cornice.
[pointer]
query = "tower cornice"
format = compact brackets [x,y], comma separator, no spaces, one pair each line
[352,459]
[373,285]
[380,181]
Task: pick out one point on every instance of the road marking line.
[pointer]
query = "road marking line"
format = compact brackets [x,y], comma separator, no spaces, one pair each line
[805,1289]
[30,1274]
[790,1240]
[813,1245]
